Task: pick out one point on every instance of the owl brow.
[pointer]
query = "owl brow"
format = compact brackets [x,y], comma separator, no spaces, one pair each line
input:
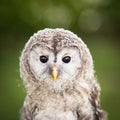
[54,48]
[67,47]
[35,52]
[41,47]
[31,49]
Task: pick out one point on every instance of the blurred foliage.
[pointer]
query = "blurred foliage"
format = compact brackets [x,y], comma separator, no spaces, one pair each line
[97,22]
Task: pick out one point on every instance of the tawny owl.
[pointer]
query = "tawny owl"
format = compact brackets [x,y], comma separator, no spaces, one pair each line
[57,70]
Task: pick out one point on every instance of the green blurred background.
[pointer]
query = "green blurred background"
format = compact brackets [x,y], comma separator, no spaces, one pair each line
[97,22]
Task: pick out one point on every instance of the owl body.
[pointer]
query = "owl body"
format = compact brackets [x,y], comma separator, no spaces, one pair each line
[57,70]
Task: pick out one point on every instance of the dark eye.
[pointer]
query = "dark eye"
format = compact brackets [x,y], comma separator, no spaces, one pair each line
[43,59]
[66,59]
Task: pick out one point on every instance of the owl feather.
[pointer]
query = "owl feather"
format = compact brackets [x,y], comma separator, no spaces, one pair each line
[58,74]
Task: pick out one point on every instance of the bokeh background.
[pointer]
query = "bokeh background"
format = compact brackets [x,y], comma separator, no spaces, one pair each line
[97,22]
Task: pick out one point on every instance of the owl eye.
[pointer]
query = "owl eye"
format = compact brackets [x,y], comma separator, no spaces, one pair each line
[66,59]
[43,59]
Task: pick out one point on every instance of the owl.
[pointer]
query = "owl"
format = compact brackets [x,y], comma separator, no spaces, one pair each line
[58,74]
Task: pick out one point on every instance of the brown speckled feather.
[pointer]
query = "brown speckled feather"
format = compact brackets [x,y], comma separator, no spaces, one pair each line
[75,93]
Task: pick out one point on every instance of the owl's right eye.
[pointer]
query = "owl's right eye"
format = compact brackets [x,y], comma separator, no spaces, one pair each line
[43,59]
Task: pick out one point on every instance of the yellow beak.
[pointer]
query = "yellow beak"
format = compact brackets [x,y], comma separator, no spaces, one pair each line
[54,72]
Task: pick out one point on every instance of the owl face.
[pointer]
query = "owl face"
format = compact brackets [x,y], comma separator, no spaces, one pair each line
[56,58]
[45,63]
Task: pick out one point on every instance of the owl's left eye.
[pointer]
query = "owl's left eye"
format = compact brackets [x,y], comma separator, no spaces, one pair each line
[43,59]
[66,59]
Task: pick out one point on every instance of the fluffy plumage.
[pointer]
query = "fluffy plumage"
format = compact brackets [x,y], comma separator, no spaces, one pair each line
[74,95]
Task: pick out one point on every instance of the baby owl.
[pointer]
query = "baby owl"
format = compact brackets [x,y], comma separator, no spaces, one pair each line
[57,70]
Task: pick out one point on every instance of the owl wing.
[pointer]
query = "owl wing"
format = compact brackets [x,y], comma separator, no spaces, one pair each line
[28,112]
[99,114]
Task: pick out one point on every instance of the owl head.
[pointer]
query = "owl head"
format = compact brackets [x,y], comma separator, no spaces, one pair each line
[55,59]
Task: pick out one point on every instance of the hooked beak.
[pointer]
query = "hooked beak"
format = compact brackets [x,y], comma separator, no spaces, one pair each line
[54,72]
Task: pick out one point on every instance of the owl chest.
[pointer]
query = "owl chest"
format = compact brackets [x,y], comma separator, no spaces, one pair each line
[52,103]
[61,107]
[59,102]
[57,108]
